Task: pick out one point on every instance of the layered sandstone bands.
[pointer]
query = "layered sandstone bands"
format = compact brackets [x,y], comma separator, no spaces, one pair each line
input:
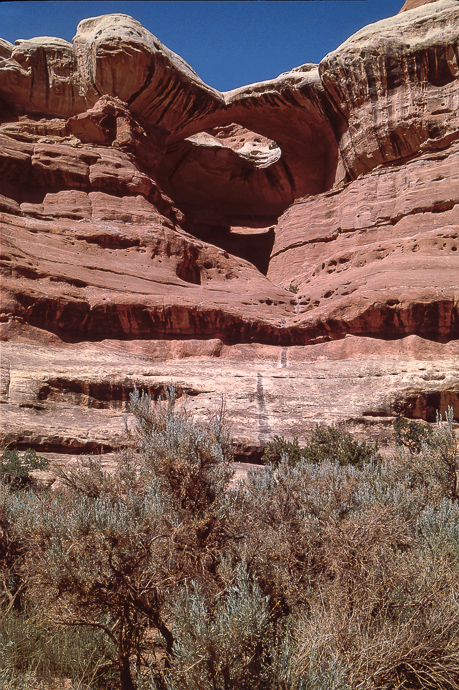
[395,83]
[388,262]
[302,234]
[73,399]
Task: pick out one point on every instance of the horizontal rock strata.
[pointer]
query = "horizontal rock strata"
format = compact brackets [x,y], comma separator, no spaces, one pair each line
[292,246]
[74,399]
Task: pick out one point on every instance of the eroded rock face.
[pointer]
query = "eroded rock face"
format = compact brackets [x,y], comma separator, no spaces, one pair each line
[395,82]
[291,245]
[73,399]
[379,258]
[412,4]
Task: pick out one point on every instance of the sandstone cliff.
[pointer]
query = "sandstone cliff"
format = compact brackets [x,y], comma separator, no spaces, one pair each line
[292,245]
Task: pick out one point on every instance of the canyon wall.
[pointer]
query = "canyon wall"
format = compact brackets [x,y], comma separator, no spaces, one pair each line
[291,246]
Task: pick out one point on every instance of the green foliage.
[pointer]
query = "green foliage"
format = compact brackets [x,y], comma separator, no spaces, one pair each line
[293,287]
[412,435]
[15,469]
[330,443]
[325,444]
[279,448]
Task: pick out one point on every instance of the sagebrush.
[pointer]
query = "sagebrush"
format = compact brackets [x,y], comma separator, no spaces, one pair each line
[329,568]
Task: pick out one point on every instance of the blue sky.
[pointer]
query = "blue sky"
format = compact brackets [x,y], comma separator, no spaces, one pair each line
[228,43]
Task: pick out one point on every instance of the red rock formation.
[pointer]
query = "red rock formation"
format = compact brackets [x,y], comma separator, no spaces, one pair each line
[395,83]
[412,4]
[381,256]
[292,244]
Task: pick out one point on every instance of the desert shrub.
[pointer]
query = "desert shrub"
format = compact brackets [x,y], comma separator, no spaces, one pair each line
[107,551]
[236,644]
[280,448]
[95,563]
[386,573]
[89,480]
[330,443]
[33,652]
[434,469]
[226,649]
[191,460]
[412,435]
[29,649]
[296,511]
[333,570]
[445,452]
[15,469]
[10,680]
[365,563]
[326,443]
[401,628]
